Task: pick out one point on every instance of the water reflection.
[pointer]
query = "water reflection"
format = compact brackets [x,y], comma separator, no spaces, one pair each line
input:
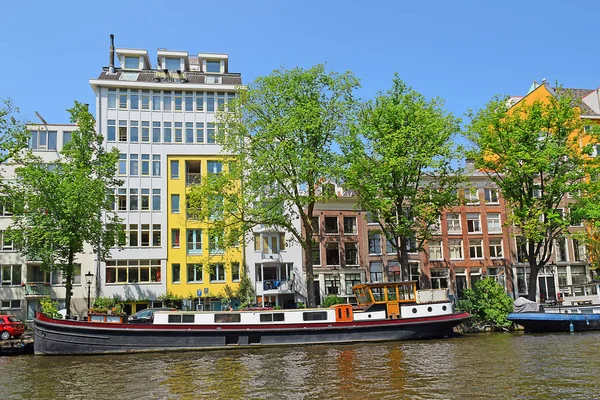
[483,366]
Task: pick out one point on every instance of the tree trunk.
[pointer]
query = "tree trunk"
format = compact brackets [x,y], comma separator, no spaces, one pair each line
[533,275]
[308,266]
[403,259]
[69,284]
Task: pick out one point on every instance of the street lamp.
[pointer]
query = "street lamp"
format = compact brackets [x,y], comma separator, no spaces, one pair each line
[88,278]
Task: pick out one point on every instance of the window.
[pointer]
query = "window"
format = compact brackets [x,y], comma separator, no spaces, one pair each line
[145,100]
[174,169]
[455,249]
[213,66]
[351,280]
[214,167]
[172,64]
[10,304]
[111,130]
[67,137]
[199,132]
[199,101]
[112,98]
[521,249]
[167,101]
[133,165]
[122,199]
[332,254]
[496,273]
[235,272]
[439,278]
[155,199]
[453,223]
[189,101]
[134,100]
[175,241]
[494,224]
[473,223]
[132,62]
[145,236]
[351,253]
[155,164]
[189,132]
[579,250]
[316,253]
[194,241]
[389,245]
[578,274]
[332,284]
[210,133]
[210,102]
[217,272]
[134,131]
[435,250]
[155,101]
[167,132]
[350,225]
[176,273]
[123,99]
[315,225]
[475,248]
[374,242]
[194,273]
[175,204]
[178,132]
[122,164]
[491,196]
[178,101]
[145,164]
[331,225]
[133,271]
[215,242]
[145,199]
[43,140]
[376,271]
[5,245]
[471,196]
[561,249]
[122,131]
[495,248]
[133,199]
[133,235]
[11,275]
[314,316]
[156,132]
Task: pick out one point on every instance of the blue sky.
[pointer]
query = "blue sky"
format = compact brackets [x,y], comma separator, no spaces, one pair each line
[462,51]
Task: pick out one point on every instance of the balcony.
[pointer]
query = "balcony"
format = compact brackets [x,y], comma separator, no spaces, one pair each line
[37,289]
[192,178]
[274,257]
[272,286]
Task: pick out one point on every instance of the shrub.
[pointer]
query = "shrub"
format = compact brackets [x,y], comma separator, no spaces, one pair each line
[50,307]
[488,303]
[331,300]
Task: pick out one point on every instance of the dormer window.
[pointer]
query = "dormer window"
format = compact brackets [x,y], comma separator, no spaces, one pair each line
[213,66]
[132,62]
[172,64]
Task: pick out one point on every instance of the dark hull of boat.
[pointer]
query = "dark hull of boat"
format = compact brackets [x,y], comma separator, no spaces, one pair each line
[555,322]
[58,337]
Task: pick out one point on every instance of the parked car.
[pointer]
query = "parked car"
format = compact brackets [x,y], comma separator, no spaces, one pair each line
[10,326]
[146,316]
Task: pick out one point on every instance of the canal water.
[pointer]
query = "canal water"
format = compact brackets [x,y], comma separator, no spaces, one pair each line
[485,366]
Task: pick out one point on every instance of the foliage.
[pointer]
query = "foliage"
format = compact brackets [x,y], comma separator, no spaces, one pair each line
[331,300]
[13,133]
[245,292]
[403,153]
[300,304]
[532,153]
[170,299]
[50,307]
[61,205]
[283,131]
[103,305]
[488,303]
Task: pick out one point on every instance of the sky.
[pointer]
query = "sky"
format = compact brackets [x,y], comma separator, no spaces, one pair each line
[464,52]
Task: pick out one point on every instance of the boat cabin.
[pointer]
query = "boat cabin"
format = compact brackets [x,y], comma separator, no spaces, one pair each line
[386,296]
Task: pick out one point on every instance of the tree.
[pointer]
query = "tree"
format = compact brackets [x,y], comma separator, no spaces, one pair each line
[13,133]
[401,163]
[282,131]
[61,205]
[532,152]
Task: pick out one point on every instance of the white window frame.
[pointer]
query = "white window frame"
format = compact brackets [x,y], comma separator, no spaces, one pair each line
[453,223]
[453,245]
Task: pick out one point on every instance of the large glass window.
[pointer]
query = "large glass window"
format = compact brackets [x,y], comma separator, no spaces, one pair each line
[111,130]
[493,223]
[491,196]
[332,253]
[435,250]
[132,62]
[376,269]
[213,66]
[155,164]
[175,204]
[351,249]
[439,278]
[374,242]
[217,272]
[194,241]
[11,275]
[331,225]
[155,199]
[133,271]
[174,169]
[455,249]
[194,273]
[495,248]
[350,226]
[475,248]
[176,273]
[172,64]
[215,242]
[453,223]
[351,280]
[473,223]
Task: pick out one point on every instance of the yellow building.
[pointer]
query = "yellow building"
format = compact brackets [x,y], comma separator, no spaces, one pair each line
[198,264]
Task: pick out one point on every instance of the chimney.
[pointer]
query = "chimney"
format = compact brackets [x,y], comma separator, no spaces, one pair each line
[111,67]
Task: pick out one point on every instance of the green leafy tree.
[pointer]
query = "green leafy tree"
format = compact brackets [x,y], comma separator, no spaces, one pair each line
[401,163]
[13,132]
[532,153]
[282,131]
[488,303]
[61,205]
[331,300]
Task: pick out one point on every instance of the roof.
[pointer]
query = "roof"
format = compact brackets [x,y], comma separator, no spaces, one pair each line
[578,95]
[159,76]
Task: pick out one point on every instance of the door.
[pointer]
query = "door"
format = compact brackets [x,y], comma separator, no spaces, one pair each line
[32,306]
[547,289]
[461,285]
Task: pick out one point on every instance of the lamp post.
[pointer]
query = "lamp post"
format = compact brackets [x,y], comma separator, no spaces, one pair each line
[88,278]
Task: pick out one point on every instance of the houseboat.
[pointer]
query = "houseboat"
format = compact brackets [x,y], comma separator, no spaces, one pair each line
[576,309]
[386,311]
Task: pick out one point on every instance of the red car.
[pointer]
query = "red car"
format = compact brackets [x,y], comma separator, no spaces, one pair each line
[10,326]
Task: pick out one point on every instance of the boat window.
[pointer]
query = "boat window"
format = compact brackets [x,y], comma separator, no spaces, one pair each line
[279,317]
[228,317]
[315,316]
[391,293]
[175,318]
[266,317]
[188,318]
[377,293]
